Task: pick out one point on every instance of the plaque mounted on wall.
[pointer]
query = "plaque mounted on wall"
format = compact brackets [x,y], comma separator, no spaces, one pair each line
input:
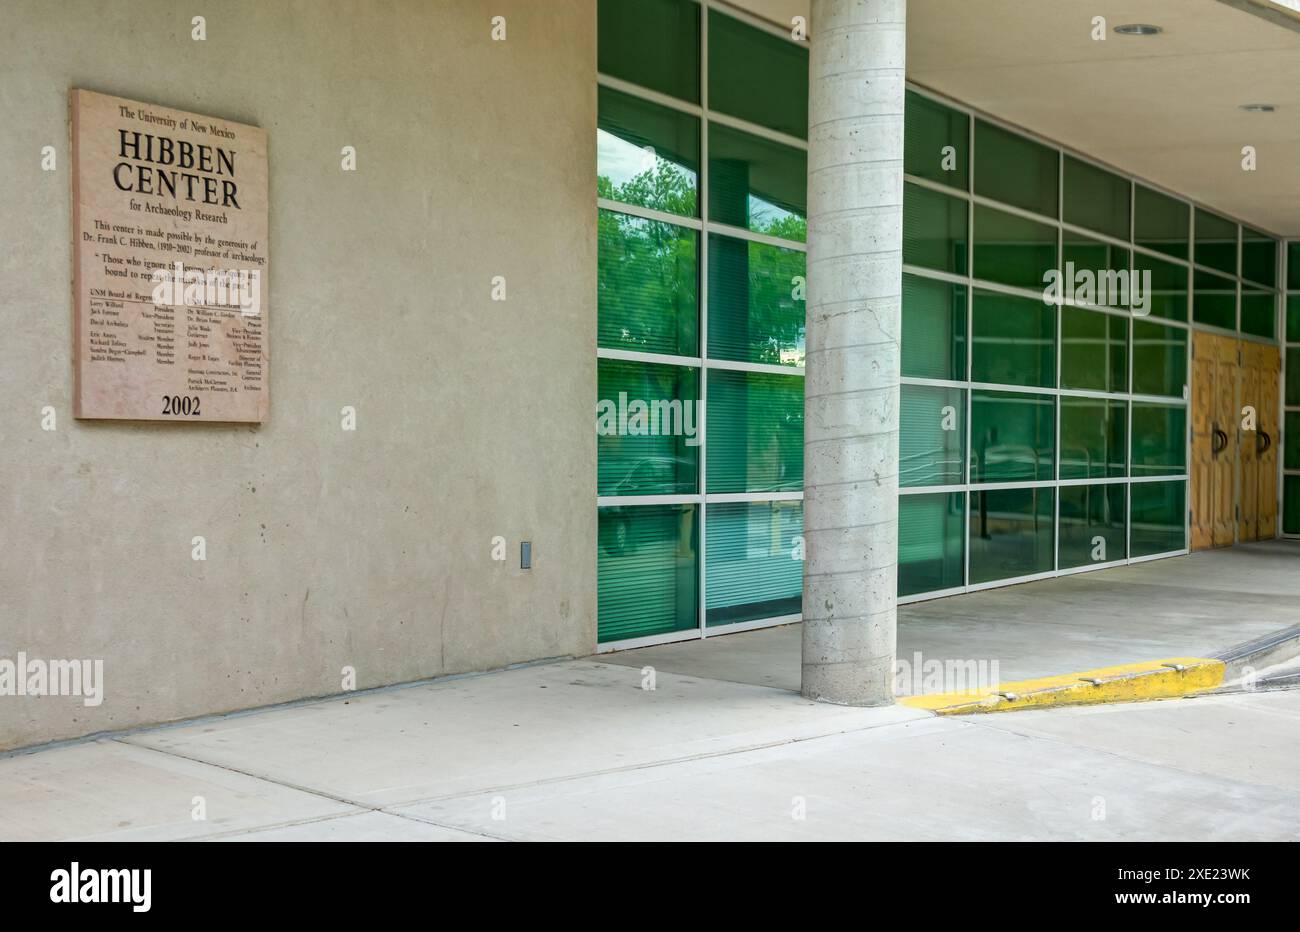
[170,263]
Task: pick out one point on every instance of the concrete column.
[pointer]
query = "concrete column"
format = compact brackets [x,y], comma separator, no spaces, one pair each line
[855,243]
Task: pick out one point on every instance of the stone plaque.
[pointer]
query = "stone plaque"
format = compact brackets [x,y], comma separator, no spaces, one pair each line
[170,263]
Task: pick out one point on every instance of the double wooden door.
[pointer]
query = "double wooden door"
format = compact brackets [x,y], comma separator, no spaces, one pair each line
[1234,434]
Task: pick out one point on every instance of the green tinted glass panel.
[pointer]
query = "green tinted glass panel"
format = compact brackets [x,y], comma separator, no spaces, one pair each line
[934,329]
[1293,376]
[653,43]
[931,438]
[756,306]
[1015,170]
[1258,257]
[1291,440]
[1293,265]
[1012,250]
[754,565]
[662,177]
[1159,359]
[1161,285]
[755,428]
[647,579]
[935,142]
[1092,438]
[1093,529]
[757,76]
[1011,533]
[1293,318]
[934,230]
[1094,350]
[1161,222]
[1214,301]
[757,184]
[1258,312]
[1093,256]
[1096,199]
[1216,243]
[647,436]
[931,540]
[1014,342]
[1291,504]
[646,285]
[1159,440]
[1013,437]
[1159,511]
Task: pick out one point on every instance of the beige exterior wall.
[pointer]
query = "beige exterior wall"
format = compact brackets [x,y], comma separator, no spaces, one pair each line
[325,548]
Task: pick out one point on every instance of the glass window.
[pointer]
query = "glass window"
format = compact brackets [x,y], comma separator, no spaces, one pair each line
[931,440]
[1015,170]
[934,230]
[1291,504]
[1159,513]
[1292,318]
[1258,257]
[931,542]
[1166,285]
[1293,376]
[1013,437]
[1014,340]
[758,77]
[1012,250]
[653,43]
[1094,350]
[1093,529]
[646,576]
[1083,253]
[755,432]
[1092,438]
[1159,440]
[1096,199]
[646,285]
[1216,243]
[1214,301]
[1159,360]
[647,428]
[646,154]
[934,329]
[1291,440]
[1010,533]
[756,304]
[1293,265]
[1258,312]
[755,561]
[1161,222]
[935,142]
[757,184]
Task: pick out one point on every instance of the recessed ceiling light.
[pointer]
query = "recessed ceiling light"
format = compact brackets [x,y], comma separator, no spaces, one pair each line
[1138,29]
[1257,108]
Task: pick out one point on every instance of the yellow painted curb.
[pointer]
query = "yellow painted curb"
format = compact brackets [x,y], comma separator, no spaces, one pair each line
[1130,682]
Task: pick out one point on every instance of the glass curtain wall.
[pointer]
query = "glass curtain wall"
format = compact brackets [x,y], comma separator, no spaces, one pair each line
[1291,396]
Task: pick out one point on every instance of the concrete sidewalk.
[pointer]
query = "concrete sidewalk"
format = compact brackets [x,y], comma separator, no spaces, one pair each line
[579,750]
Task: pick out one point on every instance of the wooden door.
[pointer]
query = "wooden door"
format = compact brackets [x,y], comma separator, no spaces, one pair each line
[1260,366]
[1214,440]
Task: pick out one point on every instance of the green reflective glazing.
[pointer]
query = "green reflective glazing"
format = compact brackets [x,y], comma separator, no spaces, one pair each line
[934,230]
[1015,170]
[931,436]
[1291,440]
[1216,242]
[1291,504]
[1095,199]
[931,542]
[1159,513]
[1159,359]
[1094,350]
[1159,440]
[1164,285]
[936,141]
[1214,300]
[756,302]
[1258,257]
[646,285]
[646,154]
[758,77]
[1093,528]
[1258,312]
[1161,222]
[757,184]
[647,428]
[1293,265]
[1292,390]
[1014,340]
[647,578]
[1012,437]
[934,329]
[755,561]
[1292,318]
[1093,434]
[1011,533]
[755,432]
[653,43]
[1011,250]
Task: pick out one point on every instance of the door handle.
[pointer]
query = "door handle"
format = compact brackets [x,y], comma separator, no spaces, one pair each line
[1263,440]
[1218,441]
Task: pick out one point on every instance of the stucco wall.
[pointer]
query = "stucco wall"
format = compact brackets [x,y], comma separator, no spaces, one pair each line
[325,548]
